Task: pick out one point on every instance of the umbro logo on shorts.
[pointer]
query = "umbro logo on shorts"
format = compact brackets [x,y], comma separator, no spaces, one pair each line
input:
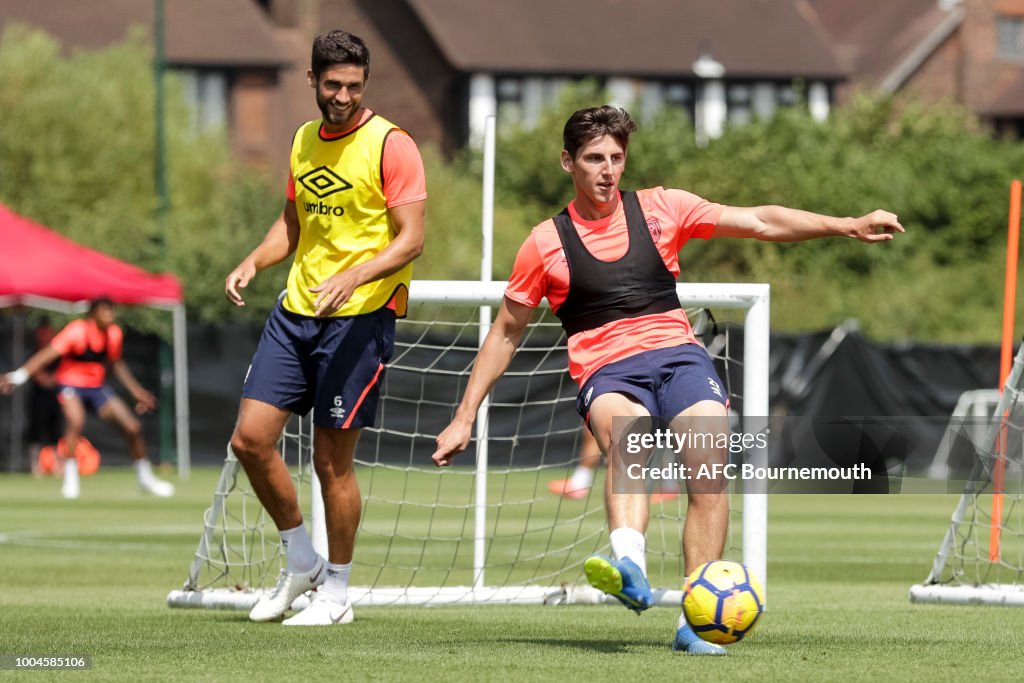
[337,412]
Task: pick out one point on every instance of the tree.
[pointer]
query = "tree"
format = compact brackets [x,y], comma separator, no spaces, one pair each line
[77,154]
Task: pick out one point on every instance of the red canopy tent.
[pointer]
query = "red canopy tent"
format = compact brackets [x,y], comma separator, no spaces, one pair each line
[42,269]
[37,262]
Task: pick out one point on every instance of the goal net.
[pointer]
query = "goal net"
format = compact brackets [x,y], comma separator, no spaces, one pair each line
[487,529]
[981,557]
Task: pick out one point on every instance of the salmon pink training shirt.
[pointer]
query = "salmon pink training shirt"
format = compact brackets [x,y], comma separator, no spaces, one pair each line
[540,270]
[77,338]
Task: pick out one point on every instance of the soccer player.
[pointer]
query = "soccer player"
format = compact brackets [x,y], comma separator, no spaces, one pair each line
[354,220]
[578,485]
[84,347]
[46,423]
[608,265]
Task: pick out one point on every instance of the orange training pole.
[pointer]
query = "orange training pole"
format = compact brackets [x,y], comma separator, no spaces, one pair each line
[1009,309]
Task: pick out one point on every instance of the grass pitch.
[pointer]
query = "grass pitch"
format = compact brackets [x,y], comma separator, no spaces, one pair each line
[90,577]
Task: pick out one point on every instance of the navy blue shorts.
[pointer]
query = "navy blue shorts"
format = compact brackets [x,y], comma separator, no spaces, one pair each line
[333,366]
[664,381]
[93,398]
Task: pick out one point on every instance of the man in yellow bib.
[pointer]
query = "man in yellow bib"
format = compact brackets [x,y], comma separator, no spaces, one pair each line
[354,220]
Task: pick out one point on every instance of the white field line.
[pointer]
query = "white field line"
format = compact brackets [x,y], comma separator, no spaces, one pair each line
[51,539]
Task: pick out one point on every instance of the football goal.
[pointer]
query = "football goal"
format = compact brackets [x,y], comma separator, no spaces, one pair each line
[486,530]
[981,557]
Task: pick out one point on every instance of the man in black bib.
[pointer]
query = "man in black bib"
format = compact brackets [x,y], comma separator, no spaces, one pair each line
[608,266]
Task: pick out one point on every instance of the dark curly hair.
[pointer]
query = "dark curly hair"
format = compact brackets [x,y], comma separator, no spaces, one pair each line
[589,124]
[339,47]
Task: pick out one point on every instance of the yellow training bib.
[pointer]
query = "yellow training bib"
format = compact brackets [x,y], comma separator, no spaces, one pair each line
[343,216]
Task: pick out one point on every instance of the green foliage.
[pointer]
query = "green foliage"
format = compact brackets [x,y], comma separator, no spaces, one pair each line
[77,154]
[76,144]
[527,167]
[452,245]
[945,178]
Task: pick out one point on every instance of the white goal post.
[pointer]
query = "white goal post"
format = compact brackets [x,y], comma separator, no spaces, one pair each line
[489,532]
[981,558]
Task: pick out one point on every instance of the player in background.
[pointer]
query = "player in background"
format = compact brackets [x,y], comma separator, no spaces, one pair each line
[577,486]
[354,220]
[608,266]
[45,422]
[84,348]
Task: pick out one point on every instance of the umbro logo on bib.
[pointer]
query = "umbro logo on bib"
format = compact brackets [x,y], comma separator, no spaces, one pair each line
[323,182]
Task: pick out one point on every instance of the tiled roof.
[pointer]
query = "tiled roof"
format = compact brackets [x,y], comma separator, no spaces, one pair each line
[755,38]
[198,32]
[873,38]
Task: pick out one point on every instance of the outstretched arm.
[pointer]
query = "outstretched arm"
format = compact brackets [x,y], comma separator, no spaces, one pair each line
[39,360]
[144,401]
[779,224]
[491,362]
[279,243]
[406,246]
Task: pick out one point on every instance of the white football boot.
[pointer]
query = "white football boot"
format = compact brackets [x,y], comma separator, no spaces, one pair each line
[290,585]
[323,610]
[156,487]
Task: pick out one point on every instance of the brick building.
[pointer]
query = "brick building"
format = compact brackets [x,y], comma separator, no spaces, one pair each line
[232,58]
[965,51]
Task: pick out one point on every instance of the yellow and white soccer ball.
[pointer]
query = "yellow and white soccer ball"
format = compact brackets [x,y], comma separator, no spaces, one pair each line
[722,601]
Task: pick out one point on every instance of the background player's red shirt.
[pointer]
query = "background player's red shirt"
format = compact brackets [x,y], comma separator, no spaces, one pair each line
[73,340]
[540,270]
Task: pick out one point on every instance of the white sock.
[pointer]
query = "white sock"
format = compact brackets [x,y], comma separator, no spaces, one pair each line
[71,472]
[630,543]
[144,471]
[581,478]
[298,549]
[335,585]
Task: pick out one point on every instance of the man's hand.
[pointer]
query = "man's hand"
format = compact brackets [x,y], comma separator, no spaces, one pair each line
[144,401]
[334,292]
[238,279]
[13,380]
[877,226]
[452,441]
